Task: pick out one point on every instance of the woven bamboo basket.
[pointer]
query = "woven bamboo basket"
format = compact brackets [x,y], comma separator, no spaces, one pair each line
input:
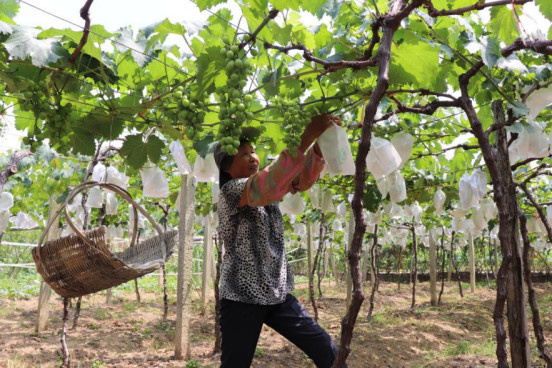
[82,263]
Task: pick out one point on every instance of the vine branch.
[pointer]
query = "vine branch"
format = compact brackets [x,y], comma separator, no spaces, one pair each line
[84,13]
[433,12]
[11,168]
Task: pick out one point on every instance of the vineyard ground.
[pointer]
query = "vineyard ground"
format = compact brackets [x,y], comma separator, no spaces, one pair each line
[459,333]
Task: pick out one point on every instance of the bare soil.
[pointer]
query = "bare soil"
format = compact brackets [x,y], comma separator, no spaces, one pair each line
[458,333]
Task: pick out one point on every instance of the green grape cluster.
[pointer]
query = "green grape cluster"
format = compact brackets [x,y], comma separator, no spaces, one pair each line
[52,120]
[294,122]
[191,112]
[234,105]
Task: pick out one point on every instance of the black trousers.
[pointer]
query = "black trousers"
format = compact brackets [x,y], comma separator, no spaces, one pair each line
[241,325]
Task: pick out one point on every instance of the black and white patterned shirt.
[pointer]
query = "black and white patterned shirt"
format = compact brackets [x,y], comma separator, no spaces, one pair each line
[254,266]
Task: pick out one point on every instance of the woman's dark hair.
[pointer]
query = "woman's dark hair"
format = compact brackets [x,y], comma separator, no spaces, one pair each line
[224,162]
[224,176]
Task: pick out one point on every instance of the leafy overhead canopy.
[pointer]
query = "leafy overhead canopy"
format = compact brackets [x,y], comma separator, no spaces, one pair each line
[139,82]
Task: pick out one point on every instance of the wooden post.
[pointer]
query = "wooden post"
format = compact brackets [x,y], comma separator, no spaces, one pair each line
[472,263]
[207,256]
[185,269]
[366,266]
[332,263]
[45,290]
[108,295]
[433,267]
[449,274]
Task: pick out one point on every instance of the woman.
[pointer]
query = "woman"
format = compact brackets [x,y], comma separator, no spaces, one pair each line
[255,276]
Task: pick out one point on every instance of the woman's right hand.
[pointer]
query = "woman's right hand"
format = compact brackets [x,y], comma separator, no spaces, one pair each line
[315,128]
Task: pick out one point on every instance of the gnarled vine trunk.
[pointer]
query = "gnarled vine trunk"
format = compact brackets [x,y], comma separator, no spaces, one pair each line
[510,278]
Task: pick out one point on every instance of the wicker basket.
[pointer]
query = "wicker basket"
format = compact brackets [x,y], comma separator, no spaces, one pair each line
[81,263]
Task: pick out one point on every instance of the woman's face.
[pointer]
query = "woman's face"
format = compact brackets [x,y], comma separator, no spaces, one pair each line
[245,163]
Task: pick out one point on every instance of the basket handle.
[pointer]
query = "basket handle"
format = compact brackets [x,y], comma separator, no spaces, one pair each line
[112,187]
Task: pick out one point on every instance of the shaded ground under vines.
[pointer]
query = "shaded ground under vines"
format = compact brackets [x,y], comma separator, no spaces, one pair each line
[459,333]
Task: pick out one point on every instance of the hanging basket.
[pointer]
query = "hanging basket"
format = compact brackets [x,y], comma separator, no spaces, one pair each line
[82,263]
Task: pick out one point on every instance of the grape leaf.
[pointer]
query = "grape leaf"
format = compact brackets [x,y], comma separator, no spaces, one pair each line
[209,65]
[206,4]
[9,7]
[206,145]
[545,7]
[503,24]
[136,151]
[23,43]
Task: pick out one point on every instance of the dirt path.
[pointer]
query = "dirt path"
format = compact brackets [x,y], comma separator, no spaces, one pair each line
[125,334]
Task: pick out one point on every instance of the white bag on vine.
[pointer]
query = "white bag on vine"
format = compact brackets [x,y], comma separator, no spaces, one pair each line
[489,209]
[383,158]
[341,211]
[403,143]
[80,213]
[396,211]
[417,211]
[433,235]
[458,212]
[314,194]
[531,142]
[205,169]
[95,198]
[111,203]
[407,210]
[479,182]
[470,228]
[215,191]
[326,204]
[4,220]
[155,182]
[383,186]
[99,173]
[291,219]
[472,189]
[335,148]
[179,156]
[538,100]
[111,233]
[116,177]
[439,200]
[6,201]
[337,226]
[397,187]
[292,204]
[478,216]
[24,221]
[75,202]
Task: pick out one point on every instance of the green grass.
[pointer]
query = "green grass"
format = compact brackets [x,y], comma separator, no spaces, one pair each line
[24,286]
[487,348]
